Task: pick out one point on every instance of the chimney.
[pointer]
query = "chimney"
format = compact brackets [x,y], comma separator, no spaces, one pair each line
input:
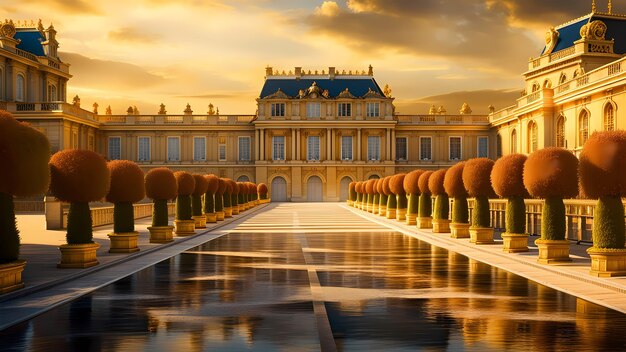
[268,71]
[331,72]
[298,72]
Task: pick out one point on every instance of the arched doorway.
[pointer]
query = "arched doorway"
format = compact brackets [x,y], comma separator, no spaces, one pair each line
[344,188]
[243,178]
[279,190]
[314,189]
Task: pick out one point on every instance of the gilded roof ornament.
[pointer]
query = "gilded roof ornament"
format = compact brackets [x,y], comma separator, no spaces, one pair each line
[465,109]
[162,110]
[387,91]
[76,101]
[594,8]
[492,109]
[552,37]
[7,29]
[346,94]
[211,110]
[441,110]
[95,108]
[595,30]
[279,94]
[432,110]
[372,94]
[108,110]
[188,109]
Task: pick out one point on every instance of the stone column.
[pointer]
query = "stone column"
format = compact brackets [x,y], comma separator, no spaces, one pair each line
[256,145]
[358,145]
[262,145]
[328,146]
[298,137]
[293,144]
[393,145]
[387,144]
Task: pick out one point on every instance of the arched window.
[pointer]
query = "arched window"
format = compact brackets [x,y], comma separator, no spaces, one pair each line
[20,88]
[583,127]
[536,87]
[560,132]
[609,117]
[52,93]
[576,73]
[514,142]
[547,83]
[499,145]
[532,142]
[563,78]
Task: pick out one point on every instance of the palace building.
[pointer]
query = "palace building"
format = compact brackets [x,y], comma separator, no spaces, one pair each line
[314,132]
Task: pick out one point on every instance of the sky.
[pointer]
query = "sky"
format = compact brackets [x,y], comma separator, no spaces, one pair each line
[148,52]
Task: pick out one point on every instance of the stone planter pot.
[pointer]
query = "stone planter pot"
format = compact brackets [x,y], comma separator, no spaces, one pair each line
[211,218]
[424,222]
[375,208]
[11,276]
[411,219]
[263,201]
[124,242]
[382,211]
[441,226]
[401,214]
[391,213]
[199,221]
[161,234]
[481,235]
[607,262]
[459,230]
[553,251]
[185,227]
[350,203]
[515,242]
[234,210]
[228,212]
[78,256]
[220,215]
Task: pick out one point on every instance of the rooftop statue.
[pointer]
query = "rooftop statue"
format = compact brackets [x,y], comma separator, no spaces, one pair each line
[432,110]
[162,110]
[465,109]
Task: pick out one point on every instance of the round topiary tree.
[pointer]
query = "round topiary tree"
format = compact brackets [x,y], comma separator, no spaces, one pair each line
[412,190]
[382,198]
[552,174]
[200,189]
[161,186]
[396,184]
[369,190]
[477,182]
[453,184]
[425,202]
[127,187]
[184,223]
[440,221]
[603,177]
[24,156]
[209,198]
[79,177]
[262,192]
[351,193]
[219,199]
[507,178]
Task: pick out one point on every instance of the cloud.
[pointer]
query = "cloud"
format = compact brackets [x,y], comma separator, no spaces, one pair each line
[479,101]
[69,6]
[328,8]
[132,35]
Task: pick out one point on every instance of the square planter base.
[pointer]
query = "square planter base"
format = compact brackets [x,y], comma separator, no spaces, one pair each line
[161,234]
[411,219]
[235,210]
[607,263]
[515,242]
[185,227]
[375,209]
[263,201]
[350,203]
[401,214]
[441,226]
[199,221]
[382,211]
[481,235]
[78,256]
[553,251]
[424,222]
[11,276]
[228,212]
[124,242]
[459,230]
[391,213]
[220,215]
[211,218]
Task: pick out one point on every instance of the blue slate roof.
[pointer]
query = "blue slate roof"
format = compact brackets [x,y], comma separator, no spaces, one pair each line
[616,29]
[30,41]
[357,86]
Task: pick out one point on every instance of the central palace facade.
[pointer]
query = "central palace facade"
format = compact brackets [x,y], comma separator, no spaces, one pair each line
[314,132]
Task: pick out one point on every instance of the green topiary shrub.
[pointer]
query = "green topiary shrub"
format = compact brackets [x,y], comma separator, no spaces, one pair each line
[552,174]
[435,184]
[79,177]
[382,198]
[127,187]
[262,191]
[411,188]
[507,178]
[396,184]
[198,192]
[209,197]
[603,177]
[227,193]
[425,200]
[477,182]
[219,195]
[161,186]
[392,200]
[453,184]
[352,192]
[186,187]
[369,191]
[243,190]
[234,201]
[24,156]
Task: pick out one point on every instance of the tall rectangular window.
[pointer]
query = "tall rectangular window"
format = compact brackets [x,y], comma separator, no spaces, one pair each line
[199,148]
[313,148]
[401,148]
[344,109]
[278,109]
[455,148]
[373,148]
[483,147]
[426,151]
[115,148]
[313,109]
[221,152]
[244,148]
[278,147]
[346,147]
[143,148]
[372,109]
[173,148]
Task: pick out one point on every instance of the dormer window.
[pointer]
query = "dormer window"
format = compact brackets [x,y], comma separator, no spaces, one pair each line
[313,109]
[344,109]
[373,109]
[278,109]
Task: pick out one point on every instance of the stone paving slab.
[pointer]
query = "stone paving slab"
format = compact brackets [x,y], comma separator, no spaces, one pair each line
[572,278]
